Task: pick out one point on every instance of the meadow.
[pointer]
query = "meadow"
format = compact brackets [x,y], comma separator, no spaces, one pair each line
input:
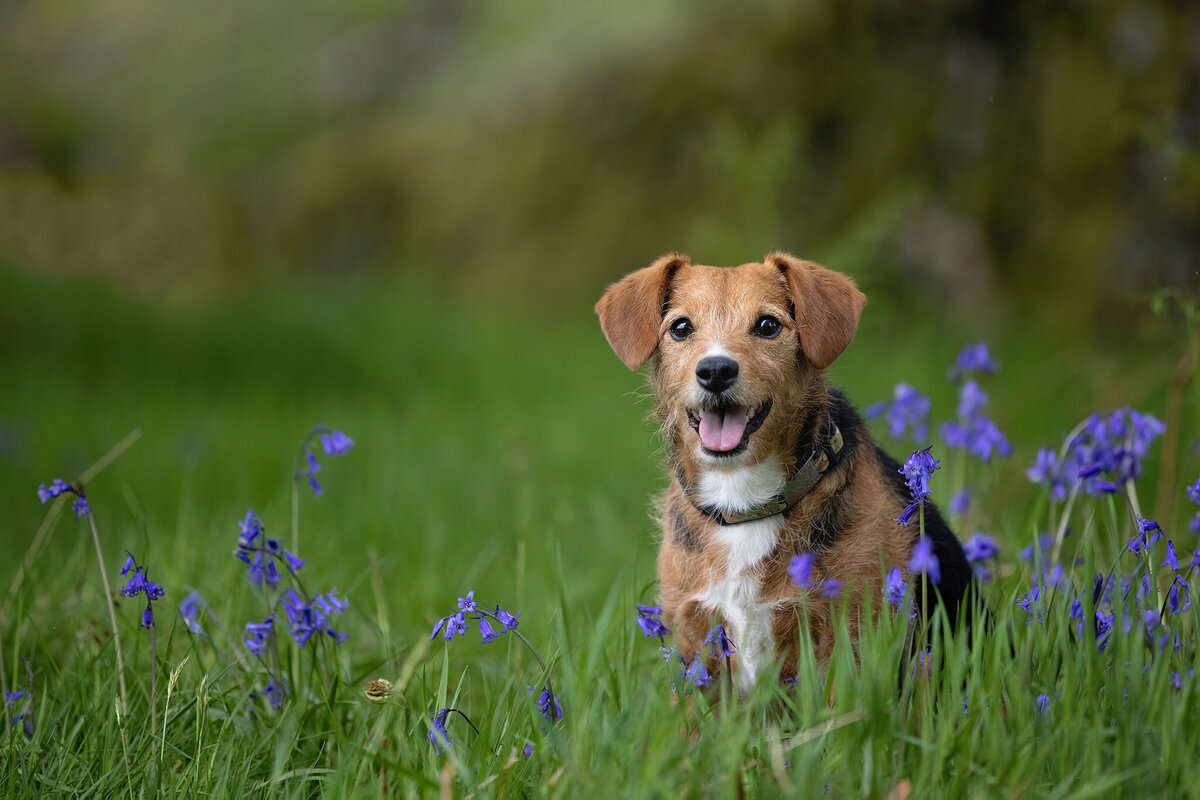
[508,454]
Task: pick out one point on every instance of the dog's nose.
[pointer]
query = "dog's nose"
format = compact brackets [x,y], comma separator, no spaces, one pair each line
[716,373]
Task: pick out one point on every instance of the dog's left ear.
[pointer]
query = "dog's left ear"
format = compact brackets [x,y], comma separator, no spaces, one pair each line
[828,306]
[632,309]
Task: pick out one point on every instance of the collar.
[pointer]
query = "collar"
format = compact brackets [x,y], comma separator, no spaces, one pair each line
[800,484]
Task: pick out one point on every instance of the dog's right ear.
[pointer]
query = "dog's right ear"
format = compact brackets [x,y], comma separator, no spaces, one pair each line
[632,309]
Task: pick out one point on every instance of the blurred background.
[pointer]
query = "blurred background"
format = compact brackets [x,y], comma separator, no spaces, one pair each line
[223,223]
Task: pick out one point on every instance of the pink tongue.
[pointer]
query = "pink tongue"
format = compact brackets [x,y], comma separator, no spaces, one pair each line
[722,431]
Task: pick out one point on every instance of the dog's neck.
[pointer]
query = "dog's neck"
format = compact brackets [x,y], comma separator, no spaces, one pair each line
[774,484]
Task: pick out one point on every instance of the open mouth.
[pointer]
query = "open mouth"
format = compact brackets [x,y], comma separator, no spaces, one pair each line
[725,429]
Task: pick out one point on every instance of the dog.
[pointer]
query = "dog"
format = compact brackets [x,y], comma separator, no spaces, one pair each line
[767,461]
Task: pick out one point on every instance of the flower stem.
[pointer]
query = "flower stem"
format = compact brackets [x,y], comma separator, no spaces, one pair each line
[1062,523]
[112,616]
[153,677]
[529,645]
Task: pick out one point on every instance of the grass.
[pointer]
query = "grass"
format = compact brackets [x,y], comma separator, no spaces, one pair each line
[507,456]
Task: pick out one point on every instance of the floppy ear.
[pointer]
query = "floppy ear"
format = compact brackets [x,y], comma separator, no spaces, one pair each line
[828,306]
[632,309]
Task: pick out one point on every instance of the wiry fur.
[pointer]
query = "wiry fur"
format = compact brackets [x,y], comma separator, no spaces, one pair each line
[737,574]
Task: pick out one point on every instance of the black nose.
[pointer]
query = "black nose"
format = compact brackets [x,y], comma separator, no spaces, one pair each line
[716,373]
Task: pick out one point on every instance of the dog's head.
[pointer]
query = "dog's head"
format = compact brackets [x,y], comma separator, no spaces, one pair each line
[739,349]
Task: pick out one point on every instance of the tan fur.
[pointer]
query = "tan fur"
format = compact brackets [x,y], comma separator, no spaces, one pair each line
[819,310]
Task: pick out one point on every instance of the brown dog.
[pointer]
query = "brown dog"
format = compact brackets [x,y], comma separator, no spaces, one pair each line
[767,461]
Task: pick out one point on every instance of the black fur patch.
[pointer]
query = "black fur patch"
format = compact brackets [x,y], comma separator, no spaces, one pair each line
[683,534]
[957,578]
[830,522]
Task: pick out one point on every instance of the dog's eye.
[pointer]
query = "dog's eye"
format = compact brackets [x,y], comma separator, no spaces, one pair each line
[766,327]
[681,329]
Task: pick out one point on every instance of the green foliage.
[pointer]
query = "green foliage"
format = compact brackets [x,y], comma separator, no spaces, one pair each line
[505,455]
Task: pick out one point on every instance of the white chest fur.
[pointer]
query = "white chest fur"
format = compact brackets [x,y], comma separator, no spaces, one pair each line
[736,594]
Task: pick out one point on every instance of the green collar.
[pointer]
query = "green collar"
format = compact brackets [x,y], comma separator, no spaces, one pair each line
[796,488]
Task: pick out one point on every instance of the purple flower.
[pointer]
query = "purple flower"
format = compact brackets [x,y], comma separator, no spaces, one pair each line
[313,466]
[971,400]
[718,642]
[438,736]
[648,620]
[1030,602]
[831,588]
[315,485]
[1043,702]
[468,603]
[81,507]
[1150,531]
[1046,470]
[312,617]
[1104,623]
[696,674]
[1043,544]
[1178,597]
[274,693]
[486,630]
[129,564]
[917,470]
[909,409]
[1171,561]
[190,609]
[57,486]
[978,436]
[336,443]
[980,547]
[973,358]
[257,635]
[508,620]
[800,569]
[960,502]
[528,750]
[1193,492]
[544,701]
[923,560]
[894,586]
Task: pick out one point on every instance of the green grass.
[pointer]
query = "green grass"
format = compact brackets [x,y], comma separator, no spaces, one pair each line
[509,456]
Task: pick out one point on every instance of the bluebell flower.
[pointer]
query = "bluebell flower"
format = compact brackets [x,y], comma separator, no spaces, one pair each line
[894,586]
[960,502]
[648,620]
[315,485]
[831,588]
[1193,492]
[973,358]
[313,466]
[1150,619]
[1043,544]
[1030,602]
[274,693]
[1150,531]
[486,631]
[528,750]
[1046,470]
[696,674]
[971,400]
[128,565]
[1076,609]
[718,642]
[544,704]
[978,436]
[800,569]
[81,507]
[1171,561]
[1103,627]
[139,584]
[336,443]
[308,618]
[1178,596]
[1143,587]
[257,636]
[909,410]
[1176,680]
[438,736]
[190,609]
[467,603]
[57,486]
[509,621]
[980,547]
[923,561]
[1042,702]
[917,470]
